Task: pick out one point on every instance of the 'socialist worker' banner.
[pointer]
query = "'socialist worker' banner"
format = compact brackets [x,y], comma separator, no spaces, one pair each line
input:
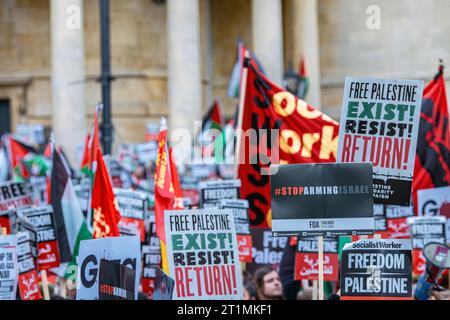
[307,259]
[380,124]
[322,199]
[211,192]
[203,254]
[376,269]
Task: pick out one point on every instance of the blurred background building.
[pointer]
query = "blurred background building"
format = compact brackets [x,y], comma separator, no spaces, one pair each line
[172,57]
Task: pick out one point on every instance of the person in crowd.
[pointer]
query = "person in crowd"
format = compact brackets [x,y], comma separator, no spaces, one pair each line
[268,284]
[249,291]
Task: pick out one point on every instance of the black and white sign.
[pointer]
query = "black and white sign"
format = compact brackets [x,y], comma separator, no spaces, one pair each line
[116,281]
[211,192]
[426,229]
[322,199]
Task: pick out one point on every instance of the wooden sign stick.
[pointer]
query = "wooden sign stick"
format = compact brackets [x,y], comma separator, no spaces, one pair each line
[314,292]
[320,247]
[45,285]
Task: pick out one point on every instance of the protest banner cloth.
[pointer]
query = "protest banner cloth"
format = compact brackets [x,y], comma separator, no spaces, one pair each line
[211,192]
[376,269]
[151,257]
[306,135]
[380,124]
[164,286]
[8,267]
[14,194]
[396,217]
[242,223]
[322,199]
[203,254]
[42,219]
[132,206]
[125,250]
[116,281]
[28,276]
[307,259]
[424,230]
[436,201]
[266,249]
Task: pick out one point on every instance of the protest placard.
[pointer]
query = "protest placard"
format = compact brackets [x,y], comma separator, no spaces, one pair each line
[376,269]
[396,217]
[8,267]
[380,124]
[132,207]
[38,190]
[151,257]
[436,201]
[380,218]
[211,192]
[322,199]
[307,259]
[266,249]
[242,223]
[31,133]
[82,190]
[8,220]
[47,245]
[28,276]
[14,194]
[116,281]
[203,254]
[125,250]
[423,230]
[164,286]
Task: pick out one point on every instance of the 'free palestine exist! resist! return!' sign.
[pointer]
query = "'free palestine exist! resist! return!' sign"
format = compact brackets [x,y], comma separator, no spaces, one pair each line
[203,254]
[380,124]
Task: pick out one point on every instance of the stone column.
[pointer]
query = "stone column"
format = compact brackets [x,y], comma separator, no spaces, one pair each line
[305,30]
[69,110]
[267,30]
[183,63]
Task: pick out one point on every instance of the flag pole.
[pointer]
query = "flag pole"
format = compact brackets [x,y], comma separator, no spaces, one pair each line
[320,245]
[237,148]
[45,285]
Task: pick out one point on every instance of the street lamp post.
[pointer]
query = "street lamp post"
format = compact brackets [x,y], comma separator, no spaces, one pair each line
[105,77]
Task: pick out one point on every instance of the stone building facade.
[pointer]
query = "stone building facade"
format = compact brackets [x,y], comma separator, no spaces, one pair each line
[173,57]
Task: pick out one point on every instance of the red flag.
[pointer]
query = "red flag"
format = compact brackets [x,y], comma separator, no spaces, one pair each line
[432,164]
[85,163]
[104,203]
[178,200]
[306,136]
[164,191]
[94,143]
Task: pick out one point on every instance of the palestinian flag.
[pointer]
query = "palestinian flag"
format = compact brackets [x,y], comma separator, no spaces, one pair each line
[303,85]
[212,120]
[432,164]
[104,203]
[85,161]
[70,224]
[17,152]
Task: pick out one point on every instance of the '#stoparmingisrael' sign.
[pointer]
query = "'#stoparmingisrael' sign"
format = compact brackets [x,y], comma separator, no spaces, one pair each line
[376,269]
[322,199]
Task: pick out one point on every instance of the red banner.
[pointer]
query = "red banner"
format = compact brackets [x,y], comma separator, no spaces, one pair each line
[29,286]
[245,247]
[306,135]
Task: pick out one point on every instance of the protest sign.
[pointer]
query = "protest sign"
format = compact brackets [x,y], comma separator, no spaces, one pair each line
[376,269]
[396,217]
[38,190]
[432,202]
[211,192]
[307,259]
[28,276]
[31,133]
[203,254]
[47,245]
[266,249]
[8,267]
[14,194]
[151,257]
[8,221]
[132,207]
[116,281]
[146,152]
[82,190]
[128,229]
[380,124]
[322,199]
[164,286]
[242,223]
[425,230]
[125,250]
[380,219]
